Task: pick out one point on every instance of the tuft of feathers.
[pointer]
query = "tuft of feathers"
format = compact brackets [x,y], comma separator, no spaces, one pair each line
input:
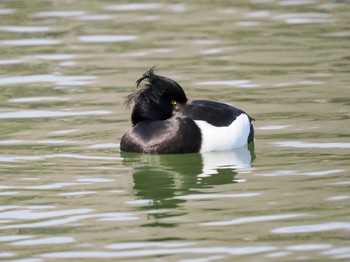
[152,90]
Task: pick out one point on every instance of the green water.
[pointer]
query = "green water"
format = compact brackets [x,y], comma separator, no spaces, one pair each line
[66,191]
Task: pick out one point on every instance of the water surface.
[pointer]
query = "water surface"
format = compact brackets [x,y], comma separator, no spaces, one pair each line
[66,190]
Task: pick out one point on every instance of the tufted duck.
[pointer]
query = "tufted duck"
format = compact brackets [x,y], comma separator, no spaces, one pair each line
[165,121]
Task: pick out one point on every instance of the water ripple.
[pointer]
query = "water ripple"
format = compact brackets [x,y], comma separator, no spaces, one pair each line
[7,11]
[134,245]
[13,238]
[272,127]
[312,228]
[133,7]
[38,99]
[28,214]
[304,18]
[295,173]
[50,186]
[109,145]
[296,2]
[117,216]
[43,113]
[95,17]
[244,220]
[300,144]
[30,42]
[44,241]
[308,247]
[72,156]
[24,29]
[237,83]
[107,38]
[299,83]
[59,80]
[70,13]
[152,252]
[215,196]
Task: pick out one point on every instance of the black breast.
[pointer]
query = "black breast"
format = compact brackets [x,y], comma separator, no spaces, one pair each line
[174,135]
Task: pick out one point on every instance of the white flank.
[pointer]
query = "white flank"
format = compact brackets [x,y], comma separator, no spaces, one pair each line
[224,137]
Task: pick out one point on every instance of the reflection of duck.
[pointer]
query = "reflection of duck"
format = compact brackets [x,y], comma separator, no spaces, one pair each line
[164,121]
[159,178]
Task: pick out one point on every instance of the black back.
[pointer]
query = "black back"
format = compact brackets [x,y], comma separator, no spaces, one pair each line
[215,113]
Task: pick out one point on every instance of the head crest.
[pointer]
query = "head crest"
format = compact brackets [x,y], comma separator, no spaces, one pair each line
[152,90]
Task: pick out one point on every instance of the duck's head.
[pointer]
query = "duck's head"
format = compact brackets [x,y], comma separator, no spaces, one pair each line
[156,99]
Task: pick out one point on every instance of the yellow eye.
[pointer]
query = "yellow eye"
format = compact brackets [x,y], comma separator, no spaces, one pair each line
[173,103]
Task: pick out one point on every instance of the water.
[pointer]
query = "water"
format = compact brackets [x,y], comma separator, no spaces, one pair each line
[67,192]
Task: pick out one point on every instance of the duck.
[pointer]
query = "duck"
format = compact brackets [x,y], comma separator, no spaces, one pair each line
[165,121]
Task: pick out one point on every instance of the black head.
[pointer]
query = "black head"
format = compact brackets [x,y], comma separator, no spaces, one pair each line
[156,99]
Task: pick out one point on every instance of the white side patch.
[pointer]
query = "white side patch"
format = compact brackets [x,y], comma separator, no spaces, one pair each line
[224,137]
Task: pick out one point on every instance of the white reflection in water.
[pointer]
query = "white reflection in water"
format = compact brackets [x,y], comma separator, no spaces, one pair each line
[296,2]
[300,144]
[258,14]
[73,156]
[4,187]
[29,214]
[109,145]
[44,241]
[324,172]
[338,251]
[62,221]
[148,52]
[299,83]
[61,13]
[7,11]
[77,194]
[107,38]
[95,180]
[248,23]
[83,157]
[16,158]
[215,196]
[42,113]
[24,29]
[7,254]
[312,228]
[244,220]
[212,51]
[11,238]
[278,254]
[26,207]
[304,18]
[64,132]
[38,99]
[133,245]
[50,186]
[178,8]
[8,193]
[54,56]
[235,159]
[133,7]
[57,79]
[295,173]
[205,42]
[30,42]
[237,83]
[153,252]
[308,247]
[10,61]
[337,198]
[272,127]
[95,17]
